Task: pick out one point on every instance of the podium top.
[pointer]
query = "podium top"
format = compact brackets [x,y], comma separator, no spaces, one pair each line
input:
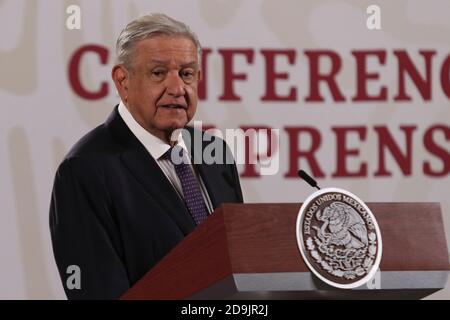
[258,239]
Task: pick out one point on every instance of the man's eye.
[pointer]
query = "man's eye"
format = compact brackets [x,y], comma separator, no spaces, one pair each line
[187,74]
[157,73]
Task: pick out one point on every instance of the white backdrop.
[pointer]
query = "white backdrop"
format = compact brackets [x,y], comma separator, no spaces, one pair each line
[42,116]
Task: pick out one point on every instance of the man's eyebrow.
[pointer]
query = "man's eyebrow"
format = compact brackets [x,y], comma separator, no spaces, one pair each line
[155,61]
[192,64]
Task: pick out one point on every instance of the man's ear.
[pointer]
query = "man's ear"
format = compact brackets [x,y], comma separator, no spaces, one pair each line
[120,76]
[200,75]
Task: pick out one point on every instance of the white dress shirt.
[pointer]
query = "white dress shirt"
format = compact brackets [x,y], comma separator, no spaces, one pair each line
[156,147]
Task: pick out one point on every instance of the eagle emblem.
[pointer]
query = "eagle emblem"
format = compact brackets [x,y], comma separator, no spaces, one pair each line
[339,238]
[345,225]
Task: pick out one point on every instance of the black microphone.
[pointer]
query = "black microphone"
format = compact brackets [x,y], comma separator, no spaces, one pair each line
[302,174]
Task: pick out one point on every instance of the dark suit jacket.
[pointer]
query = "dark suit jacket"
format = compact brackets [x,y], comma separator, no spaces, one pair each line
[114,214]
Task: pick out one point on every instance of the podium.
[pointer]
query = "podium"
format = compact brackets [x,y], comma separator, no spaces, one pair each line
[249,251]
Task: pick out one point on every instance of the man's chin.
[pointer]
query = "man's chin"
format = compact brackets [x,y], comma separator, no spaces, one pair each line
[170,128]
[175,126]
[171,133]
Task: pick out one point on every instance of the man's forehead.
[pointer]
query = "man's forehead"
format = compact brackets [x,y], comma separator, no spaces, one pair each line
[167,44]
[182,62]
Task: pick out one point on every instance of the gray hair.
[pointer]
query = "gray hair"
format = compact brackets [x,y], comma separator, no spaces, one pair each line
[147,26]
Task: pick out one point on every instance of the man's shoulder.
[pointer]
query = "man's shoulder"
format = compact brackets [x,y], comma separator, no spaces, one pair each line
[90,154]
[96,144]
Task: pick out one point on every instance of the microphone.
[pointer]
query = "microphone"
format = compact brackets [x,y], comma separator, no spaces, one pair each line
[313,183]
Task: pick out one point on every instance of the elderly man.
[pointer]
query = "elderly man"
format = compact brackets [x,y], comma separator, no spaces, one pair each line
[120,202]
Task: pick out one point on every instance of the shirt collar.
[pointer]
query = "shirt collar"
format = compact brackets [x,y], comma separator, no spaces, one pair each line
[154,145]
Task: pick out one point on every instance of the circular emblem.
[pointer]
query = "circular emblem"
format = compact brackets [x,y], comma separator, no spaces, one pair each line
[339,238]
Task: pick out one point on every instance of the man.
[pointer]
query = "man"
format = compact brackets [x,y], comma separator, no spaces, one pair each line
[120,202]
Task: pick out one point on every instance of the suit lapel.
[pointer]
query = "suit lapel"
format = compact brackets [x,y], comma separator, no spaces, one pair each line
[210,177]
[145,169]
[210,173]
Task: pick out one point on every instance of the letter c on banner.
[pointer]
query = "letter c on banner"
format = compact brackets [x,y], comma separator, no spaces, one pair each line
[74,72]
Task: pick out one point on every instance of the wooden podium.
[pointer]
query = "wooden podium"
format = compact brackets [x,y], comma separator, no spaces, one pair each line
[249,251]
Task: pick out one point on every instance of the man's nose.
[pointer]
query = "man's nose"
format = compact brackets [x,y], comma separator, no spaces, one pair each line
[175,85]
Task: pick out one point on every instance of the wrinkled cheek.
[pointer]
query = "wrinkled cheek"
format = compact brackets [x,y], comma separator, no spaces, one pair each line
[193,100]
[191,112]
[192,95]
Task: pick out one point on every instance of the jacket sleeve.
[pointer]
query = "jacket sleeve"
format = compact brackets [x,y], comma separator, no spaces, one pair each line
[84,235]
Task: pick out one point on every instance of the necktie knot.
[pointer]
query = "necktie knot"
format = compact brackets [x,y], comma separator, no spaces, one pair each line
[174,154]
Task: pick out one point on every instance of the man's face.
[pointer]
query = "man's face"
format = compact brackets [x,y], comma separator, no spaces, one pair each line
[161,89]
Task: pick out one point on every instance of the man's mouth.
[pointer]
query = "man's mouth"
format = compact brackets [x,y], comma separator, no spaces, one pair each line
[174,106]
